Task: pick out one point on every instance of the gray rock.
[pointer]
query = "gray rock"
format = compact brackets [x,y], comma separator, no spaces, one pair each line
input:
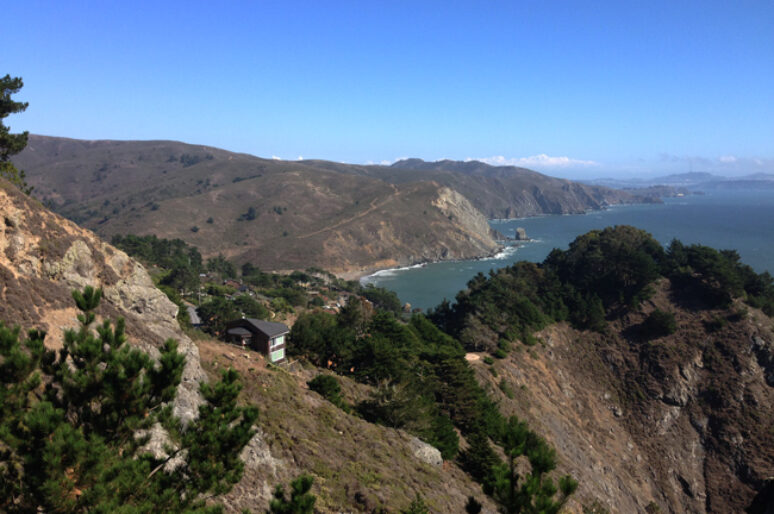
[257,455]
[425,452]
[764,352]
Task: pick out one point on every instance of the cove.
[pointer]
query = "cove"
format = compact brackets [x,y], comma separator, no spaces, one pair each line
[742,220]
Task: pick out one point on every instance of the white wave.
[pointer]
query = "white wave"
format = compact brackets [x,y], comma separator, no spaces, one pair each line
[390,272]
[503,254]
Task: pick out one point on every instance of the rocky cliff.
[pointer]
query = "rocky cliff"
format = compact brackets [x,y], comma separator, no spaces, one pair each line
[509,191]
[679,424]
[43,257]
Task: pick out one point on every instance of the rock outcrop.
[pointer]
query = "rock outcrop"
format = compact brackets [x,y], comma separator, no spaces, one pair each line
[508,191]
[425,452]
[43,257]
[680,423]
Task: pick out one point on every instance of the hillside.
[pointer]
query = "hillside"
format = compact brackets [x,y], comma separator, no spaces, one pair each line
[44,257]
[356,465]
[691,182]
[285,215]
[509,191]
[276,214]
[650,370]
[648,411]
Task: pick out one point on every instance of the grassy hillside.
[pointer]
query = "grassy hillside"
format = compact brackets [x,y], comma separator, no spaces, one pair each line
[293,214]
[277,214]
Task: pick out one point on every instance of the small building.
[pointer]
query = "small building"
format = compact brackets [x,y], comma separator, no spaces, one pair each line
[265,337]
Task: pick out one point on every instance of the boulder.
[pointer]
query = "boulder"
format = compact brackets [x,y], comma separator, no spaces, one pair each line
[425,452]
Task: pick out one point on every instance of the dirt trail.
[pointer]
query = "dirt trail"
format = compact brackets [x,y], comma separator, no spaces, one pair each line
[375,204]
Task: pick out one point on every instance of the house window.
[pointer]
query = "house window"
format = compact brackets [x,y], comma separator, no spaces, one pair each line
[277,341]
[278,355]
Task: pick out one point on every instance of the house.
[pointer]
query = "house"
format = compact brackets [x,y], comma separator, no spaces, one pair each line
[262,336]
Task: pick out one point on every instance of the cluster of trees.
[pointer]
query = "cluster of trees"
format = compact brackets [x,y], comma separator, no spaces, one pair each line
[717,276]
[603,273]
[181,266]
[169,254]
[424,385]
[72,425]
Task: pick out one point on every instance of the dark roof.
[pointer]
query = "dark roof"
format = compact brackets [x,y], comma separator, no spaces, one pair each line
[269,328]
[238,331]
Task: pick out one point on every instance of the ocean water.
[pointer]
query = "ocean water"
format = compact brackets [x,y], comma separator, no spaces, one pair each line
[742,220]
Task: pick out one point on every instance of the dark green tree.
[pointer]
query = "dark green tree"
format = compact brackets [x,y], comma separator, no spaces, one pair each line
[77,443]
[328,387]
[659,324]
[535,492]
[251,307]
[473,506]
[301,501]
[216,312]
[480,461]
[222,266]
[11,144]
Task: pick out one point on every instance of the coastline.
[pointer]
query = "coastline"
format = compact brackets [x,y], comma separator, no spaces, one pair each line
[365,272]
[502,253]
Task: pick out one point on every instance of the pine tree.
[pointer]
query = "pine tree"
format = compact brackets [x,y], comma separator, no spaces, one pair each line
[74,424]
[11,144]
[301,501]
[535,492]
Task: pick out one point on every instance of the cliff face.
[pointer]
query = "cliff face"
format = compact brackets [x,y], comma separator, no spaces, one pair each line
[682,422]
[508,191]
[44,257]
[402,225]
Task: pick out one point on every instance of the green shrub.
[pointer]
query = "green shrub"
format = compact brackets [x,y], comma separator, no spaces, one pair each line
[328,387]
[659,324]
[505,388]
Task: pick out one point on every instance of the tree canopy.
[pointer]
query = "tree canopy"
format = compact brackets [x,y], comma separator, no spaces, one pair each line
[11,144]
[74,425]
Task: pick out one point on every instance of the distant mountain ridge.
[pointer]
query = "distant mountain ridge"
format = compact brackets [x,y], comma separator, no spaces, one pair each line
[276,214]
[694,181]
[294,214]
[509,191]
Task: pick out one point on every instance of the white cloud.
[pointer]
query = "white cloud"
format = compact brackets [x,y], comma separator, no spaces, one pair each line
[727,159]
[538,161]
[385,162]
[276,158]
[300,158]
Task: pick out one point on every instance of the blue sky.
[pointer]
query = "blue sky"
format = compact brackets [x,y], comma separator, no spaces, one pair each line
[576,89]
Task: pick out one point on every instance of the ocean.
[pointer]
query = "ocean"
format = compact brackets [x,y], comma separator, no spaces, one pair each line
[742,220]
